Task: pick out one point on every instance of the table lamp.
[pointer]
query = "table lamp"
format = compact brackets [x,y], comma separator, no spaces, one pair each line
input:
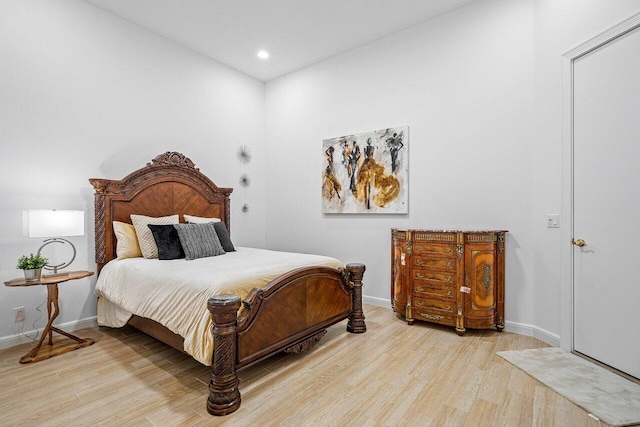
[53,223]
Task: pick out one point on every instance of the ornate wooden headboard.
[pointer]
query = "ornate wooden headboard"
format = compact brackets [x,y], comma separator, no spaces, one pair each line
[170,184]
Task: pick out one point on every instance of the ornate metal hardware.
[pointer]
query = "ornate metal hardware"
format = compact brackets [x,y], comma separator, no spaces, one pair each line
[501,242]
[436,279]
[422,263]
[435,237]
[486,277]
[422,304]
[423,289]
[433,317]
[443,251]
[482,238]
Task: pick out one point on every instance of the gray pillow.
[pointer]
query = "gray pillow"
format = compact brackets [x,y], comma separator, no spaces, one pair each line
[199,240]
[223,235]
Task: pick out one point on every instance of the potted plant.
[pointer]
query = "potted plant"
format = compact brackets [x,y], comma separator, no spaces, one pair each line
[32,266]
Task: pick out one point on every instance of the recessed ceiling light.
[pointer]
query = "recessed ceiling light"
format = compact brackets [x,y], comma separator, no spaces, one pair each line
[263,54]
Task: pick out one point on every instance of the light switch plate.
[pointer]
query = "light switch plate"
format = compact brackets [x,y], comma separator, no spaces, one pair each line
[553,220]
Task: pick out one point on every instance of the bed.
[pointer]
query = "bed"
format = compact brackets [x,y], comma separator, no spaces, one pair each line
[289,313]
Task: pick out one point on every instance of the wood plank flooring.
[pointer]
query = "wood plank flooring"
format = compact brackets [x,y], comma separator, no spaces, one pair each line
[393,375]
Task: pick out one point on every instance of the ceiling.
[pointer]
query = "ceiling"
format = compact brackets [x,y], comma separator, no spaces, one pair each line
[296,33]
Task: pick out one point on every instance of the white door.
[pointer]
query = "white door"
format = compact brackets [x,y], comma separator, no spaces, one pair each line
[606,204]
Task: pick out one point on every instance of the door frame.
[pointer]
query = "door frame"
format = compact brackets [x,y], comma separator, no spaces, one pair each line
[568,63]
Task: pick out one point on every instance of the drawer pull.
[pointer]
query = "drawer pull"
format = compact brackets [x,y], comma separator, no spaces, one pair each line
[422,263]
[431,316]
[436,279]
[442,251]
[421,304]
[434,290]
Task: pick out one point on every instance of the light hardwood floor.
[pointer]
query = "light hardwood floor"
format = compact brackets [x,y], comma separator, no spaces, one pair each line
[394,374]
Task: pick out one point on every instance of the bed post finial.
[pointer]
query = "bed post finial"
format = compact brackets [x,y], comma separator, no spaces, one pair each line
[356,323]
[224,396]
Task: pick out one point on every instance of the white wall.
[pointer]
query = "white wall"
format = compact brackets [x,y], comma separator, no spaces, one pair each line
[86,94]
[481,90]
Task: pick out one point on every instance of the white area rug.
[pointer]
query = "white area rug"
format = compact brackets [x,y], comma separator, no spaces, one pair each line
[610,397]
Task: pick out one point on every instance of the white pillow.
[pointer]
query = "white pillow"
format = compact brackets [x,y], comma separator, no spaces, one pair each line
[145,236]
[199,220]
[126,240]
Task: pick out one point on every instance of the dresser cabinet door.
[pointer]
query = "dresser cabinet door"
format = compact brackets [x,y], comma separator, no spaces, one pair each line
[481,280]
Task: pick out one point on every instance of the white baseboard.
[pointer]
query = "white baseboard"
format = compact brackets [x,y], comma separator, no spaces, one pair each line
[379,302]
[13,340]
[533,331]
[515,327]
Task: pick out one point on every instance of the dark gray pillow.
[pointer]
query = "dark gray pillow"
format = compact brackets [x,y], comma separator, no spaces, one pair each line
[199,240]
[167,240]
[223,235]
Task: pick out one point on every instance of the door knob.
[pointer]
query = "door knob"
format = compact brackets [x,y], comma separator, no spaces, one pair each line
[579,242]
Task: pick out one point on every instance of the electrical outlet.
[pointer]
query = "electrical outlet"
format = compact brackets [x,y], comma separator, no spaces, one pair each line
[19,314]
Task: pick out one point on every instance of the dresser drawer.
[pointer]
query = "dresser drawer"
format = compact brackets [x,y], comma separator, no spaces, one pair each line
[426,277]
[434,249]
[434,311]
[435,306]
[429,316]
[443,264]
[430,290]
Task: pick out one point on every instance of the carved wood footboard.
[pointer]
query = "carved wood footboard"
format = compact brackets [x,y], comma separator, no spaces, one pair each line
[290,315]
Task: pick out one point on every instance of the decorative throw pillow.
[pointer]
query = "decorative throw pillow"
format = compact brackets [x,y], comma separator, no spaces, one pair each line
[145,237]
[199,240]
[167,240]
[126,240]
[223,235]
[199,220]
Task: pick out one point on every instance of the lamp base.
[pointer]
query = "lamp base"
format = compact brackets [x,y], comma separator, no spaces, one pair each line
[55,268]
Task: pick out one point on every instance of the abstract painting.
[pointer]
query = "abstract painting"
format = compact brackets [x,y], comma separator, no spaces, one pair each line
[367,172]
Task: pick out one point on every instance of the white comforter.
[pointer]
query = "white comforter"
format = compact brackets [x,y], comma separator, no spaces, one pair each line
[175,292]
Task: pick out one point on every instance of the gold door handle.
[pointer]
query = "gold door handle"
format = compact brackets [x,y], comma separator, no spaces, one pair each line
[579,242]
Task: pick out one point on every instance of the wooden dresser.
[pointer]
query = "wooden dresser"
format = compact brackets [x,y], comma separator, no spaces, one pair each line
[450,277]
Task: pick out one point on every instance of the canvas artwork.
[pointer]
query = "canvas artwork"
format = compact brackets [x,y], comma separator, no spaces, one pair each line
[367,172]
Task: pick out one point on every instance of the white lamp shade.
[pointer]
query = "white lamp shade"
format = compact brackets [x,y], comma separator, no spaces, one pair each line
[52,223]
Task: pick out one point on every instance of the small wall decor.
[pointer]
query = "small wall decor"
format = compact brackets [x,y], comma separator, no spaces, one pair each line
[244,154]
[367,172]
[244,157]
